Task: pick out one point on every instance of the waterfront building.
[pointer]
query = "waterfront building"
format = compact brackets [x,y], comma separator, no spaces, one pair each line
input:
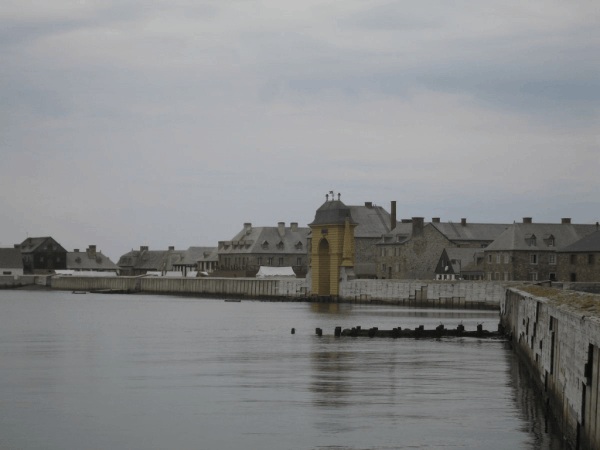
[11,261]
[253,247]
[188,261]
[139,262]
[42,255]
[580,261]
[209,260]
[90,260]
[527,251]
[332,247]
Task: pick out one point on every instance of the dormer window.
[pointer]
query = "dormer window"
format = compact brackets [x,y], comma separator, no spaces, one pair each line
[280,245]
[298,245]
[531,240]
[265,245]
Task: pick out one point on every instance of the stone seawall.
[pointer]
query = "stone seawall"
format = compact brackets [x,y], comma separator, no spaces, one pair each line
[463,295]
[445,294]
[237,287]
[557,334]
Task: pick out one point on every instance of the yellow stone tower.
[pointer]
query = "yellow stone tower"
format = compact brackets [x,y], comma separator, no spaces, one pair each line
[332,254]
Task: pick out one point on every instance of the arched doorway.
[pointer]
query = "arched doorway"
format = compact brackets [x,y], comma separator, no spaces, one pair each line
[324,268]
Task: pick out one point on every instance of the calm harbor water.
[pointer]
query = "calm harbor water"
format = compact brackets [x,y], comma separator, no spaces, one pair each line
[159,372]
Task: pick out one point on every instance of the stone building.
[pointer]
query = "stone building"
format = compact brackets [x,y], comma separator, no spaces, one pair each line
[90,260]
[412,250]
[528,251]
[254,247]
[333,247]
[580,261]
[144,260]
[42,255]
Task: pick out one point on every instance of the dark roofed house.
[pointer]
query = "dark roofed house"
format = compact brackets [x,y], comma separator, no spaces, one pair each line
[142,261]
[90,260]
[452,262]
[11,261]
[42,255]
[188,261]
[580,261]
[528,251]
[209,260]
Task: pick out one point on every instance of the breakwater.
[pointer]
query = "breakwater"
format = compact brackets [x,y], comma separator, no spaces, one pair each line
[557,334]
[456,295]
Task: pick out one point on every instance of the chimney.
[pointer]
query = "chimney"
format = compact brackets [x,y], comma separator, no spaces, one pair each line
[143,248]
[221,244]
[435,219]
[171,248]
[91,251]
[247,226]
[294,226]
[393,225]
[17,245]
[406,220]
[417,226]
[281,228]
[369,204]
[463,222]
[566,220]
[527,220]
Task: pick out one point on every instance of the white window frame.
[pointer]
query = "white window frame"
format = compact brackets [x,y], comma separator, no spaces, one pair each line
[552,259]
[506,258]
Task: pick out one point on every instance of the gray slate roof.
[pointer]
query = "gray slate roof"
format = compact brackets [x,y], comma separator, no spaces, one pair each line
[589,243]
[373,221]
[251,240]
[192,255]
[332,212]
[464,255]
[10,258]
[211,255]
[470,231]
[150,259]
[514,237]
[82,261]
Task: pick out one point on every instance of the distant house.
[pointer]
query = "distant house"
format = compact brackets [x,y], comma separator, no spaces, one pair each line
[209,260]
[580,261]
[254,247]
[139,262]
[11,261]
[90,260]
[188,261]
[42,255]
[528,251]
[452,261]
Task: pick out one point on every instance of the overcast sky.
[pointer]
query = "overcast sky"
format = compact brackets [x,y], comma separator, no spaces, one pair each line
[127,123]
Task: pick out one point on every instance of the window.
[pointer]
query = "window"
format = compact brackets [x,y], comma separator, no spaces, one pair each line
[551,242]
[383,252]
[383,267]
[299,261]
[489,276]
[259,260]
[41,259]
[394,251]
[506,258]
[281,261]
[58,259]
[552,259]
[590,259]
[533,259]
[483,245]
[533,276]
[271,261]
[298,245]
[505,276]
[552,276]
[497,276]
[573,259]
[498,256]
[397,267]
[265,245]
[490,259]
[280,245]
